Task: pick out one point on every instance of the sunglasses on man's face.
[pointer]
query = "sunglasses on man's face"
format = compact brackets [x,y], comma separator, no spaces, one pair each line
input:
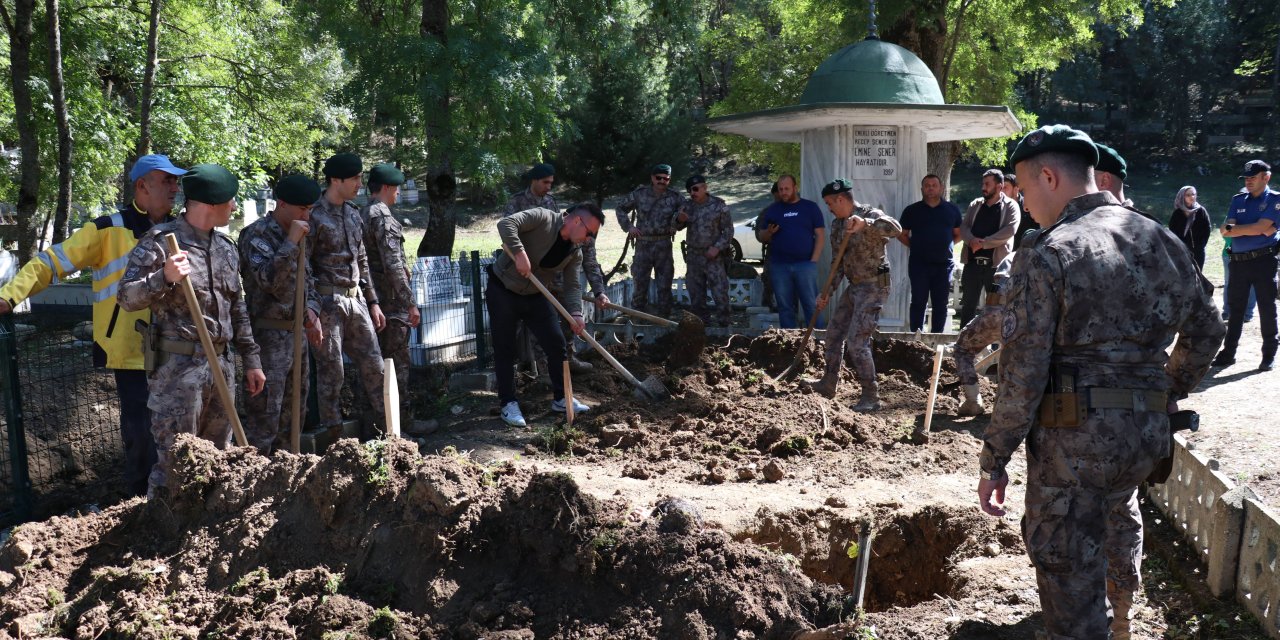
[662,178]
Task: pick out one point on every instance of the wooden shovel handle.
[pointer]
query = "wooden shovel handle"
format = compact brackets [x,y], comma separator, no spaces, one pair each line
[299,312]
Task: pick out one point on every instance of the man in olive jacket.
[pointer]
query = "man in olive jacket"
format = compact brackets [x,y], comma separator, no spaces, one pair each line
[541,243]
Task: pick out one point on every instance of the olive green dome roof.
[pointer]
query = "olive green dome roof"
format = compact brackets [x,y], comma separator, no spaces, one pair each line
[872,71]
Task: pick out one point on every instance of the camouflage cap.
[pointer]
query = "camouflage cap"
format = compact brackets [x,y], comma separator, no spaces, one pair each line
[343,166]
[297,190]
[1111,161]
[210,184]
[387,174]
[1057,138]
[839,185]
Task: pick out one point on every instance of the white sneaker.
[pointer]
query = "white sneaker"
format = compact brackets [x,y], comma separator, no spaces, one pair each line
[511,414]
[558,406]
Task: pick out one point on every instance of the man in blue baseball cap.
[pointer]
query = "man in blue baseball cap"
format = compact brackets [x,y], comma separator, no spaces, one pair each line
[104,245]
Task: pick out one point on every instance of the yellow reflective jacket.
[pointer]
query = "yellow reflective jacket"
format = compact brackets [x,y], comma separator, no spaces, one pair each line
[103,245]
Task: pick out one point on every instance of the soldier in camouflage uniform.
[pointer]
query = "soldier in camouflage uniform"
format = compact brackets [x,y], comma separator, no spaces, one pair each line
[656,207]
[349,309]
[538,196]
[384,243]
[983,330]
[1085,379]
[867,269]
[183,397]
[269,263]
[710,232]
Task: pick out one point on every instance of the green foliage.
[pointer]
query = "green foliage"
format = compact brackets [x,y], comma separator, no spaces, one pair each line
[852,550]
[383,623]
[379,472]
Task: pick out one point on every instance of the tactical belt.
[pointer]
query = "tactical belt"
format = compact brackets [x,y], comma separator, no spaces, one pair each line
[330,290]
[267,323]
[1065,410]
[186,347]
[981,261]
[1253,255]
[657,236]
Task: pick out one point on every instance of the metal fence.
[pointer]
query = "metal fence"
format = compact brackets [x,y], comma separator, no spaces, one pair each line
[455,321]
[61,416]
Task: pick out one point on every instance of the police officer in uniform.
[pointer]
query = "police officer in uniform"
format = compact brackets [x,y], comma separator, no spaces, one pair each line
[867,269]
[269,263]
[709,234]
[656,207]
[1251,225]
[104,244]
[384,243]
[1092,305]
[184,398]
[349,309]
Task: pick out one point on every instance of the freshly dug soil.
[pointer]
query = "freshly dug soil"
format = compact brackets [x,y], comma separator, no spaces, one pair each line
[376,541]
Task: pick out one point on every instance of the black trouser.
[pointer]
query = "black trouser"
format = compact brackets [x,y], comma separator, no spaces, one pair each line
[506,310]
[930,284]
[135,429]
[1260,274]
[973,287]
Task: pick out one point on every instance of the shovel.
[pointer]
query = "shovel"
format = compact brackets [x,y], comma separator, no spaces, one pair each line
[210,356]
[652,388]
[797,365]
[690,331]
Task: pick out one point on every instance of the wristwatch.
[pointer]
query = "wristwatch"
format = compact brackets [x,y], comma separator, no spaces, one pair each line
[997,474]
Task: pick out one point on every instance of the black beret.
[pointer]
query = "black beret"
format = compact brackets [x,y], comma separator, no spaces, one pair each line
[661,168]
[343,166]
[387,174]
[839,185]
[1253,168]
[692,180]
[540,171]
[1054,138]
[210,184]
[1109,160]
[299,190]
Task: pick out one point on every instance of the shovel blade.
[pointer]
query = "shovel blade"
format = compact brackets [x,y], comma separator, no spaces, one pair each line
[651,388]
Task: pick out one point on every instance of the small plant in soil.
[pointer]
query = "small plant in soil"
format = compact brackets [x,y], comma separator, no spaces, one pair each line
[383,623]
[795,445]
[852,550]
[613,452]
[560,439]
[379,473]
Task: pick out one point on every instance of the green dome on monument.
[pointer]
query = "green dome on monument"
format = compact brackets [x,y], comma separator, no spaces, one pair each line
[872,71]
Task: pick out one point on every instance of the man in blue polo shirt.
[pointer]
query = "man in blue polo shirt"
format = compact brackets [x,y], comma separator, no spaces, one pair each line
[930,228]
[1251,225]
[794,229]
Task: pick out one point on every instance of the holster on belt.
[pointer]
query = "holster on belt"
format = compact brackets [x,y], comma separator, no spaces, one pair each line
[149,359]
[883,277]
[1060,407]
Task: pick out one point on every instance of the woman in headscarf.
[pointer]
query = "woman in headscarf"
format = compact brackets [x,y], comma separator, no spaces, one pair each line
[1190,222]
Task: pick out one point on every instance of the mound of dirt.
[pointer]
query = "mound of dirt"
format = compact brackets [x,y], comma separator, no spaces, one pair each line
[376,541]
[730,417]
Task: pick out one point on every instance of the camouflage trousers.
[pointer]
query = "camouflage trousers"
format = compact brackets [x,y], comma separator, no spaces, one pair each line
[653,254]
[268,415]
[347,329]
[184,399]
[706,272]
[394,343]
[1082,527]
[982,330]
[853,321]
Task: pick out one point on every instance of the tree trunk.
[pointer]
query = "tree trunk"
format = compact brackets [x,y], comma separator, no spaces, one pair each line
[941,157]
[149,81]
[20,33]
[58,89]
[441,184]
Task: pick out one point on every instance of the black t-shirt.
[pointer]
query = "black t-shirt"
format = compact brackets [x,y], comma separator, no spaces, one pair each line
[985,223]
[559,250]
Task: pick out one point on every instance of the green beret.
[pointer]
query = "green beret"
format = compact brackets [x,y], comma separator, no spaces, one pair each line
[661,168]
[540,171]
[693,180]
[1054,138]
[298,190]
[839,185]
[343,166]
[210,184]
[1109,160]
[387,174]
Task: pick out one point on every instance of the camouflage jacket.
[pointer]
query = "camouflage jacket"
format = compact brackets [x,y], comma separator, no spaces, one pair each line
[864,256]
[709,224]
[526,200]
[215,276]
[339,258]
[384,244]
[269,265]
[655,214]
[1105,292]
